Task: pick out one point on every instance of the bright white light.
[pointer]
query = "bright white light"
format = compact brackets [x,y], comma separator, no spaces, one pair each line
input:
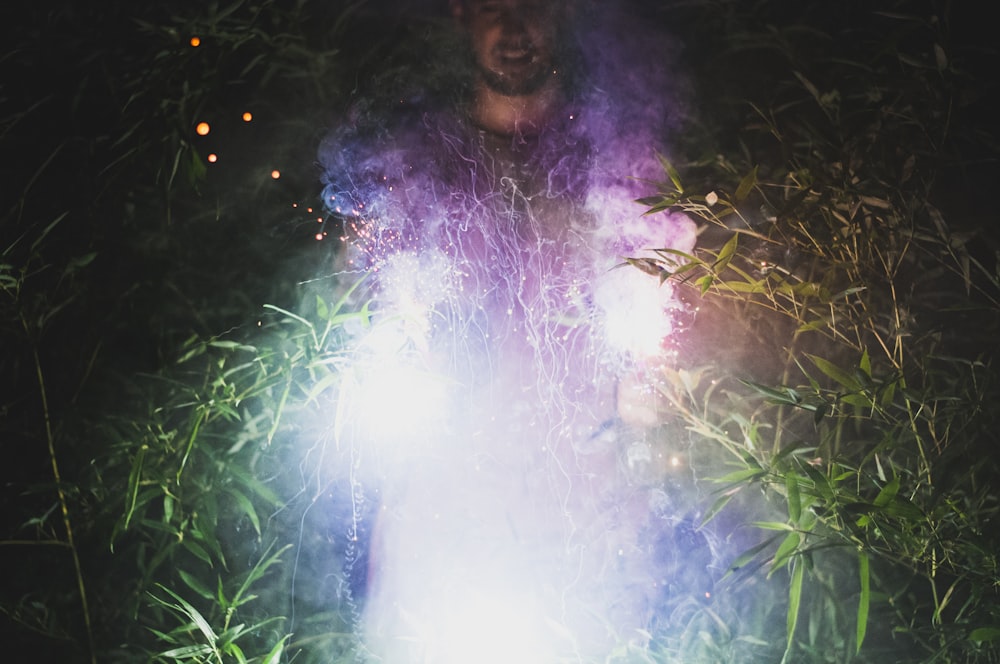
[390,396]
[636,309]
[488,627]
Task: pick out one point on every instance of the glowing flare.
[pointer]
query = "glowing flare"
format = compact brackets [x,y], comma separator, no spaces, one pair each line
[248,116]
[275,174]
[202,129]
[490,629]
[195,42]
[212,158]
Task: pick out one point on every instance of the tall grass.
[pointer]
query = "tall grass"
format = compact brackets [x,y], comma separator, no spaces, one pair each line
[170,342]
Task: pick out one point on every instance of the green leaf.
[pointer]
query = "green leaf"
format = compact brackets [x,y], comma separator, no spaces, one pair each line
[726,253]
[793,496]
[246,506]
[196,585]
[747,184]
[750,554]
[866,364]
[198,551]
[226,344]
[186,652]
[888,492]
[134,477]
[794,601]
[274,657]
[738,476]
[864,600]
[675,178]
[772,525]
[717,506]
[831,370]
[785,551]
[321,309]
[192,613]
[778,396]
[985,634]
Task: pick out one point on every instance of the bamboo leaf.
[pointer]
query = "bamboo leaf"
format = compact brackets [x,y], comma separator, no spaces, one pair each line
[785,551]
[794,601]
[192,613]
[793,496]
[717,506]
[246,507]
[864,599]
[750,554]
[675,178]
[746,185]
[134,477]
[274,657]
[196,585]
[834,372]
[888,493]
[985,634]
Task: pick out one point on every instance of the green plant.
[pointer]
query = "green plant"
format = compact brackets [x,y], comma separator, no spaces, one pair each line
[872,438]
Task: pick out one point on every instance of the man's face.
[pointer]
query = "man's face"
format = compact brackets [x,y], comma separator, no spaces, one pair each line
[514,41]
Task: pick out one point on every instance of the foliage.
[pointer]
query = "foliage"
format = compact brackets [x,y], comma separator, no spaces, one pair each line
[870,436]
[164,506]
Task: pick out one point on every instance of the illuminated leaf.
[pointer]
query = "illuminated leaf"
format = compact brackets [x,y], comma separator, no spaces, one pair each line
[746,185]
[675,178]
[794,601]
[864,600]
[836,373]
[785,550]
[750,554]
[793,496]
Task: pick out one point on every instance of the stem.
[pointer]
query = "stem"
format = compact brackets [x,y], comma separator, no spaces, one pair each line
[63,504]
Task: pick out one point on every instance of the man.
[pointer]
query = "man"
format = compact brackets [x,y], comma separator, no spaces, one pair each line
[515,45]
[516,497]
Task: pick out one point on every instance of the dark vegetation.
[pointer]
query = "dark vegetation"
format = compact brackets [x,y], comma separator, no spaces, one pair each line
[169,339]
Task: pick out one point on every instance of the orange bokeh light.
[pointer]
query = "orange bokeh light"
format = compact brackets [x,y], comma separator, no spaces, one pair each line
[276,174]
[195,42]
[248,116]
[212,158]
[202,129]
